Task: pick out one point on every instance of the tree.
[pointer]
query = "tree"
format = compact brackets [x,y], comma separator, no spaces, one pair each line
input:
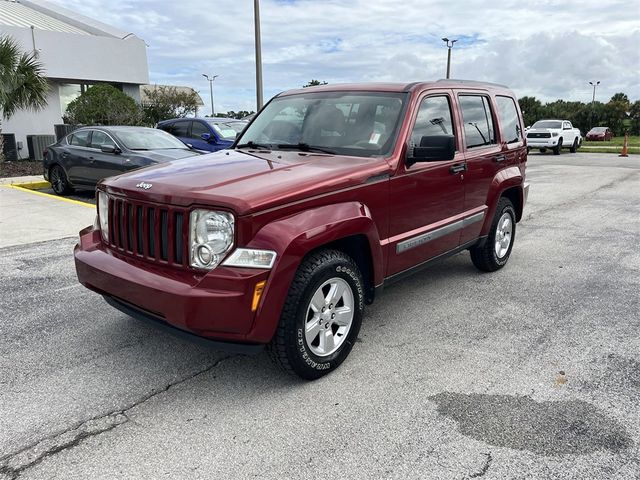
[634,115]
[314,83]
[163,102]
[22,82]
[238,115]
[531,109]
[103,104]
[616,112]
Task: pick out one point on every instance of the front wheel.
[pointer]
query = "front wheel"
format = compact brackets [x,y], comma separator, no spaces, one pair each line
[495,252]
[557,148]
[321,317]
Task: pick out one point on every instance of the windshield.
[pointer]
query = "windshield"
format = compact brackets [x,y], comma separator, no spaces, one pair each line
[148,139]
[227,130]
[547,124]
[599,129]
[362,124]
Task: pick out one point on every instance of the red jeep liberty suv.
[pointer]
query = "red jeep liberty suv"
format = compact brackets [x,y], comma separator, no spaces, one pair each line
[329,194]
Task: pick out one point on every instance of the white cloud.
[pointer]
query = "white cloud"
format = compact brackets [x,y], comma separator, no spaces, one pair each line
[549,49]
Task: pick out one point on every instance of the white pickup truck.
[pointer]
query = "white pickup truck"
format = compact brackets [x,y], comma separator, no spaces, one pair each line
[555,135]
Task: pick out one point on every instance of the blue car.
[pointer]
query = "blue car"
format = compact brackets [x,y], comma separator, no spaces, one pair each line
[206,134]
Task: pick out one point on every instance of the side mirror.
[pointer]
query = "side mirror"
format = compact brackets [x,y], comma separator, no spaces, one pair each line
[109,149]
[206,137]
[433,148]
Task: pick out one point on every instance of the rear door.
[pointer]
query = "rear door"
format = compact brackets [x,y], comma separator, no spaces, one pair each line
[427,198]
[103,164]
[484,157]
[181,129]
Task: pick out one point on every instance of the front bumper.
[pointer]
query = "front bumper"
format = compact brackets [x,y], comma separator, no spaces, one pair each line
[215,304]
[542,142]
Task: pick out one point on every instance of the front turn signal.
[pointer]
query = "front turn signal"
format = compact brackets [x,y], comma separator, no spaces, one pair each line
[257,293]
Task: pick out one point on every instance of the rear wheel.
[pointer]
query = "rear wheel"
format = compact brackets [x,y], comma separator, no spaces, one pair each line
[574,147]
[59,181]
[321,317]
[557,148]
[494,253]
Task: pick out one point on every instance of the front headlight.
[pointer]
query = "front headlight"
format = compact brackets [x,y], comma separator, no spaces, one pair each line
[210,237]
[554,134]
[103,214]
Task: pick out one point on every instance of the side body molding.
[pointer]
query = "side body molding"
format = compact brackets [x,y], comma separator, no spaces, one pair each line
[294,237]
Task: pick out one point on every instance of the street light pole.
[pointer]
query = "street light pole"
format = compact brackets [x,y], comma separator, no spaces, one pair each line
[449,44]
[211,79]
[593,99]
[256,20]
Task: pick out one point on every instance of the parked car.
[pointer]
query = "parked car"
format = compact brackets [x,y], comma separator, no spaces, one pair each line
[554,135]
[600,134]
[86,156]
[327,197]
[207,134]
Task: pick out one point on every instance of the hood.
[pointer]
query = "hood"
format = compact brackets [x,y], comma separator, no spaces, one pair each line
[246,182]
[165,155]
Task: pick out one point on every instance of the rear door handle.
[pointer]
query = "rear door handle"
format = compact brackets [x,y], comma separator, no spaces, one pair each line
[500,158]
[458,167]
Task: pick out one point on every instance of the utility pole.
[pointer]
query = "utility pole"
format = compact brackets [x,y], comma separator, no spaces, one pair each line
[256,20]
[449,44]
[593,99]
[211,79]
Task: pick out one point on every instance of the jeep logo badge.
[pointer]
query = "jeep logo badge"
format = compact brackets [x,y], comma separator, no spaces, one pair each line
[146,186]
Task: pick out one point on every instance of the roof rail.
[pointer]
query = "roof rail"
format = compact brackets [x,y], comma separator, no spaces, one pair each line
[470,82]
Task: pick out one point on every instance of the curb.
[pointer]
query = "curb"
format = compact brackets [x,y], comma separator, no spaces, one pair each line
[33,185]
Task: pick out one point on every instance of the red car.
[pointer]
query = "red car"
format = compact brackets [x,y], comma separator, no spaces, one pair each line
[599,134]
[329,195]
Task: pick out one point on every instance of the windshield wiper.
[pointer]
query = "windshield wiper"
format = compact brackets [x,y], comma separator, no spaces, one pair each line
[253,145]
[304,147]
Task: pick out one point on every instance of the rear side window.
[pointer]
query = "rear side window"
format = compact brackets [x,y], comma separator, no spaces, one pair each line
[434,118]
[479,129]
[511,129]
[80,139]
[180,129]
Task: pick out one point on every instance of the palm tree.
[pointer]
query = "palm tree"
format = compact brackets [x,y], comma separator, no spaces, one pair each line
[22,82]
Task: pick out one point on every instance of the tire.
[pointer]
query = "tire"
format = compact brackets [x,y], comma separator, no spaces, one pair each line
[542,150]
[309,341]
[557,148]
[574,148]
[495,252]
[59,180]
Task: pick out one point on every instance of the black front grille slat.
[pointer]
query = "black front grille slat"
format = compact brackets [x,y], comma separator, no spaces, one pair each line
[119,220]
[130,227]
[177,244]
[152,232]
[140,232]
[164,237]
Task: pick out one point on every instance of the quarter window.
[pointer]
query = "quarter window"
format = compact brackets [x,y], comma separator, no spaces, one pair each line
[479,129]
[80,139]
[511,130]
[434,118]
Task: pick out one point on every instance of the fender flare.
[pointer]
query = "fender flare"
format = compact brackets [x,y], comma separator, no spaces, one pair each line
[503,180]
[292,238]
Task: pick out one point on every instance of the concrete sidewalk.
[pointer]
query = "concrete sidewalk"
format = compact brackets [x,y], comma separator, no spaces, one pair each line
[18,180]
[27,216]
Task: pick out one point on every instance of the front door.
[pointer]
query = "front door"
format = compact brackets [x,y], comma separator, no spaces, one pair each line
[426,198]
[103,164]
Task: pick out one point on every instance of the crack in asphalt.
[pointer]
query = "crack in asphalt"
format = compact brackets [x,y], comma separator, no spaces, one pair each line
[485,467]
[14,464]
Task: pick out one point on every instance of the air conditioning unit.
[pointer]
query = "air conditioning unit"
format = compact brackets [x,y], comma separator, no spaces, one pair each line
[9,148]
[37,144]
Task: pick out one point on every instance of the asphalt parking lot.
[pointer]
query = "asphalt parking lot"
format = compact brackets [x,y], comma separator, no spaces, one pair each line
[529,372]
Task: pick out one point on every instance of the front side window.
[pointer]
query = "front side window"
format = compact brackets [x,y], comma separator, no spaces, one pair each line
[478,122]
[511,129]
[434,118]
[81,138]
[99,138]
[197,129]
[362,124]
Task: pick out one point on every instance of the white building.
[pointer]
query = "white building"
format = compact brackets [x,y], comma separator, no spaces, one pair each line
[76,52]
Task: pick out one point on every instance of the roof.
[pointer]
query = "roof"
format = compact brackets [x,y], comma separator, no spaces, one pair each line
[42,15]
[145,89]
[396,87]
[14,14]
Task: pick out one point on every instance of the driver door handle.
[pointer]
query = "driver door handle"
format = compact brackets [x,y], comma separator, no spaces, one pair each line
[457,168]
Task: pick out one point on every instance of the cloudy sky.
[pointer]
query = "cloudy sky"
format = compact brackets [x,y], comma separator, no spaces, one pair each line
[549,49]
